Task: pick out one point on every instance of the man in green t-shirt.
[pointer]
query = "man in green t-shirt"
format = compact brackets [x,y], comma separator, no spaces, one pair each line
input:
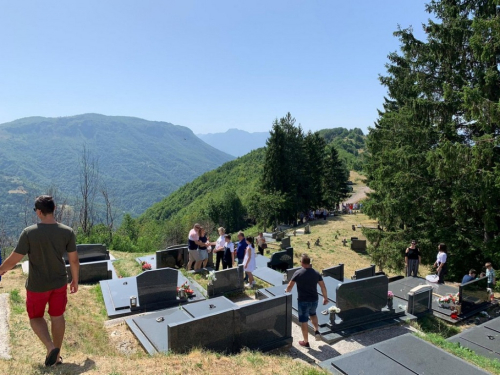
[44,244]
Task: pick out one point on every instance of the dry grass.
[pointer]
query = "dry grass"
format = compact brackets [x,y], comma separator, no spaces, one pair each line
[92,349]
[126,265]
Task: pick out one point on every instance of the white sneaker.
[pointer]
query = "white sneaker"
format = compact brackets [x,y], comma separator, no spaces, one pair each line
[248,285]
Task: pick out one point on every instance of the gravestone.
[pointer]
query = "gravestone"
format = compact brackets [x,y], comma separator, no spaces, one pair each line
[158,287]
[281,260]
[280,236]
[473,295]
[364,273]
[354,238]
[91,272]
[420,300]
[290,272]
[285,242]
[174,257]
[362,297]
[483,339]
[307,229]
[89,253]
[336,272]
[358,245]
[227,281]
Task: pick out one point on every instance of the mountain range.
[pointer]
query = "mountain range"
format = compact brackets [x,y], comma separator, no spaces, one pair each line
[235,142]
[139,161]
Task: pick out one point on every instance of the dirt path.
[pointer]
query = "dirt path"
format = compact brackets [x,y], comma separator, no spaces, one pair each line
[359,194]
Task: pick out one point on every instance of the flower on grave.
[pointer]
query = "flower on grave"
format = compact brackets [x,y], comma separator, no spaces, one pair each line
[390,295]
[145,266]
[211,276]
[446,299]
[333,310]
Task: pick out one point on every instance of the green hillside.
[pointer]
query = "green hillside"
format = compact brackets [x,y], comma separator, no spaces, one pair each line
[350,143]
[140,161]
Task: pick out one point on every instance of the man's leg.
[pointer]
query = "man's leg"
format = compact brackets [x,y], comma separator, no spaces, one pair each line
[58,327]
[314,321]
[305,331]
[39,326]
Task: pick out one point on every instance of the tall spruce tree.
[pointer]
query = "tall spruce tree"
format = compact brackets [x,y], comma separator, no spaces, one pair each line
[434,152]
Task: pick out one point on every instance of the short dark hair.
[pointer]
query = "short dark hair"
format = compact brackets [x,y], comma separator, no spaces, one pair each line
[305,259]
[227,236]
[442,247]
[45,203]
[240,233]
[472,271]
[249,239]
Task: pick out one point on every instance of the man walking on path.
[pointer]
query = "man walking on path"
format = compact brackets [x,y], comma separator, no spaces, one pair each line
[307,280]
[45,243]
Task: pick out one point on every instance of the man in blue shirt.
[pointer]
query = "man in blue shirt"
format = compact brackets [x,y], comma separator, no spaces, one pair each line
[471,276]
[240,251]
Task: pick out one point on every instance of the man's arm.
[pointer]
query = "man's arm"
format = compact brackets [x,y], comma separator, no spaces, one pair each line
[290,286]
[323,291]
[10,262]
[74,265]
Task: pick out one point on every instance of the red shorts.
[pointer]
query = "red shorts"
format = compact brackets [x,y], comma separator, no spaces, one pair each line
[36,302]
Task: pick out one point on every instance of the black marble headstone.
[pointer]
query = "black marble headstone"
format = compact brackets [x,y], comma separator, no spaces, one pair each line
[364,272]
[336,272]
[362,297]
[281,260]
[89,253]
[420,300]
[227,281]
[157,286]
[285,242]
[175,257]
[473,295]
[359,245]
[91,272]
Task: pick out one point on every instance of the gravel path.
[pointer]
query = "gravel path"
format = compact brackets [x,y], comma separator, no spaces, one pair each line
[4,326]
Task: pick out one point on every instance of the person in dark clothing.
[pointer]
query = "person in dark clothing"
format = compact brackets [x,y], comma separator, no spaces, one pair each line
[471,276]
[241,249]
[307,280]
[412,259]
[228,257]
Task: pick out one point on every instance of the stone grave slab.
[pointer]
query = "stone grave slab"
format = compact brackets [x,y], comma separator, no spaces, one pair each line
[420,300]
[424,358]
[117,293]
[364,362]
[290,272]
[92,272]
[90,253]
[473,295]
[483,339]
[227,281]
[337,272]
[281,260]
[269,275]
[358,245]
[151,259]
[261,261]
[285,242]
[364,272]
[155,287]
[402,287]
[266,324]
[216,324]
[174,257]
[362,297]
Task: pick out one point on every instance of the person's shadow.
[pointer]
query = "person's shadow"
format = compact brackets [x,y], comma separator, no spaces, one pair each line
[69,368]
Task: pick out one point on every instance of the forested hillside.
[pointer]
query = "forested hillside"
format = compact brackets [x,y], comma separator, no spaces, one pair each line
[139,161]
[350,144]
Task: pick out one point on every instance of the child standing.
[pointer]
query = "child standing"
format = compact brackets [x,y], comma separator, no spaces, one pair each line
[490,274]
[228,255]
[249,261]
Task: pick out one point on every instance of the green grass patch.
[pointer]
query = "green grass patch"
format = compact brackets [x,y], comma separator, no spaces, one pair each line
[466,354]
[433,325]
[17,302]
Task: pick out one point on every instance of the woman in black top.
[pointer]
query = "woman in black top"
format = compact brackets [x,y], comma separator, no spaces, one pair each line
[412,259]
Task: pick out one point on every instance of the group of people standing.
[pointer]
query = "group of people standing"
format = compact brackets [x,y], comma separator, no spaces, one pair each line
[226,253]
[413,258]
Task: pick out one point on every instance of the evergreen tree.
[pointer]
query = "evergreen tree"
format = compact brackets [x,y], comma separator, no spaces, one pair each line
[433,154]
[335,179]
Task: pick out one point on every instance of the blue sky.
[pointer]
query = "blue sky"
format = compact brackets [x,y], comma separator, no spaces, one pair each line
[208,65]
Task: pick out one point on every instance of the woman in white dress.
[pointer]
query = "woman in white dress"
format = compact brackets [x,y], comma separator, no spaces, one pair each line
[249,261]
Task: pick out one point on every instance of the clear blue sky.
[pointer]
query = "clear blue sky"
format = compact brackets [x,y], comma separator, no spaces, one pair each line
[208,65]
